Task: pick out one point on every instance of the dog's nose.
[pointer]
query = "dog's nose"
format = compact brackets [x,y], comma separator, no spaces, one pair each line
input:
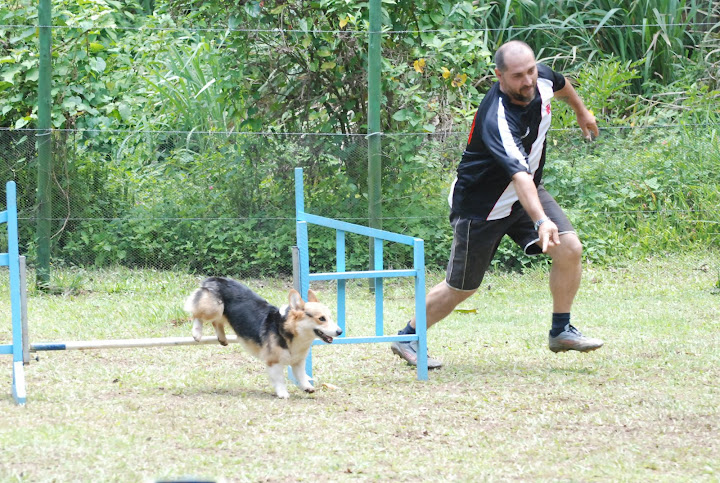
[338,332]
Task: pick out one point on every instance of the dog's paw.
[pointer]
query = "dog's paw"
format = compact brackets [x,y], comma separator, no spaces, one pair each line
[309,389]
[223,342]
[197,337]
[283,394]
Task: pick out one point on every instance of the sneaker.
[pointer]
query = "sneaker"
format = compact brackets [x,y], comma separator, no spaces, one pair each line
[572,340]
[408,351]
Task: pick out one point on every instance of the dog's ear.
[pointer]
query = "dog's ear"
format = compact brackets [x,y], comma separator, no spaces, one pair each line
[296,301]
[311,296]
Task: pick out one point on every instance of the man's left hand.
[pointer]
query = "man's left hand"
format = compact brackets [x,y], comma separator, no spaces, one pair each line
[588,125]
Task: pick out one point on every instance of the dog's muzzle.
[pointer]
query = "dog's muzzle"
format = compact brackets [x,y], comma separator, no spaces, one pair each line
[326,338]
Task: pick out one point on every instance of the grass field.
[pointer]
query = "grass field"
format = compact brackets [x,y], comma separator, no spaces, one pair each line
[643,408]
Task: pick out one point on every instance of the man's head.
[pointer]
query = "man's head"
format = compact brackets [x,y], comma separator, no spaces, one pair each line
[516,70]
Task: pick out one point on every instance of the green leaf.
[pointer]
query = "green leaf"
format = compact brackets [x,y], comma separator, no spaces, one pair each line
[98,64]
[96,47]
[401,115]
[23,35]
[22,122]
[9,74]
[32,74]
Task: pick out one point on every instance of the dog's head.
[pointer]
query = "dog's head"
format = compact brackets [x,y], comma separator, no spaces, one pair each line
[312,317]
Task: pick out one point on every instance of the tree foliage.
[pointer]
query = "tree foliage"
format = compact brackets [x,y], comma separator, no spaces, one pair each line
[183,114]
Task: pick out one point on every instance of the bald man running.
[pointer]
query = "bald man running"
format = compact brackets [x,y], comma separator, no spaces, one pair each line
[498,191]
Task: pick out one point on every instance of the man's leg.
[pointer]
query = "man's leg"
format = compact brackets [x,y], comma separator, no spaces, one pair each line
[566,272]
[440,302]
[565,276]
[474,244]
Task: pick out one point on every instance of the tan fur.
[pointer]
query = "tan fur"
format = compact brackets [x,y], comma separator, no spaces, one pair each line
[207,307]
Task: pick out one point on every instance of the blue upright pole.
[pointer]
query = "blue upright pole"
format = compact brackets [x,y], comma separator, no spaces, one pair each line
[18,385]
[420,315]
[301,231]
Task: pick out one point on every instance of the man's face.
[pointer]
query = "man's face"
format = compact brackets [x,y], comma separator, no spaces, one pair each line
[519,79]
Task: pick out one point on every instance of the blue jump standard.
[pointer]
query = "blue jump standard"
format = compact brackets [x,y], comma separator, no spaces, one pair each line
[378,236]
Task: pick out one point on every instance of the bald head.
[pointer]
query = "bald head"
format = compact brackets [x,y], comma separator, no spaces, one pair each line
[516,70]
[512,49]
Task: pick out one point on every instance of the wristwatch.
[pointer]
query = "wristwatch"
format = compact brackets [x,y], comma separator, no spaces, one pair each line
[540,222]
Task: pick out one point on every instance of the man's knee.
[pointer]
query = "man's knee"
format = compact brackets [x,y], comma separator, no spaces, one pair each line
[570,248]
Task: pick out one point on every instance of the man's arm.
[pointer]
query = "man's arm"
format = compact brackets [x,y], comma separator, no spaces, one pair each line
[585,118]
[528,196]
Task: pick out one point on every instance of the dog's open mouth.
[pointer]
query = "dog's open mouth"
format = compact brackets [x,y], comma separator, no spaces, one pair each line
[324,337]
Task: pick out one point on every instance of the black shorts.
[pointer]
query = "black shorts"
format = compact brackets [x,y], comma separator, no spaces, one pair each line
[476,241]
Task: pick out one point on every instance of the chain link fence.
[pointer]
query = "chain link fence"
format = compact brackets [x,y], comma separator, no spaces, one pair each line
[225,203]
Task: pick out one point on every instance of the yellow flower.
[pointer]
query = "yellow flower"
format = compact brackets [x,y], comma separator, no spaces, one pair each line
[459,80]
[344,22]
[445,73]
[419,65]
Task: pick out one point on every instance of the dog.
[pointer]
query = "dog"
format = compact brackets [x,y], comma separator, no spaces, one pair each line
[280,337]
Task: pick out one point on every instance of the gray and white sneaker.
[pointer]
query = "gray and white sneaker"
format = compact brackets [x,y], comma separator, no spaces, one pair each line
[408,351]
[572,340]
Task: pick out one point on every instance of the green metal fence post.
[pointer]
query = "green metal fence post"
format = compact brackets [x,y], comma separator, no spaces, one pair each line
[44,144]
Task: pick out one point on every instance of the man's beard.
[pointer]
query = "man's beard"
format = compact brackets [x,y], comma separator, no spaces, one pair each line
[519,97]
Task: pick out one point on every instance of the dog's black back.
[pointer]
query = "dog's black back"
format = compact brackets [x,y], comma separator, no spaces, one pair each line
[251,316]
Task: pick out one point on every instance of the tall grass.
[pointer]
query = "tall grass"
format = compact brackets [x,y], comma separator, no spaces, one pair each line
[189,82]
[660,33]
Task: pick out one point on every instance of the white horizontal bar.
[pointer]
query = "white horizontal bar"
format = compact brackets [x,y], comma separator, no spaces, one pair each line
[126,343]
[178,341]
[369,340]
[362,274]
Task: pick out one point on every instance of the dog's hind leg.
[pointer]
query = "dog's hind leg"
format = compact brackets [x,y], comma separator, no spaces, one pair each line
[301,376]
[197,329]
[220,331]
[277,379]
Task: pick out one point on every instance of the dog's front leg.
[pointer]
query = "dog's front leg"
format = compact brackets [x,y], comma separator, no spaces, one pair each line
[302,378]
[277,379]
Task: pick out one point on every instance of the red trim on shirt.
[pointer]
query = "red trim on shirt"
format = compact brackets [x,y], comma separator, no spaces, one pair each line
[472,128]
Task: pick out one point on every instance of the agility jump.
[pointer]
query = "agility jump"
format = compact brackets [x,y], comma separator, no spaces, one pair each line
[20,348]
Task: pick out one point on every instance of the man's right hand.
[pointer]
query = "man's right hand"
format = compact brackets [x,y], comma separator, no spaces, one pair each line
[549,235]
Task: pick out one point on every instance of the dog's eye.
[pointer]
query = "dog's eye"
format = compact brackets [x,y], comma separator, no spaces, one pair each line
[321,318]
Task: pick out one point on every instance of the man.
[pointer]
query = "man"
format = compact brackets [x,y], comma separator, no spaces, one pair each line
[498,191]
